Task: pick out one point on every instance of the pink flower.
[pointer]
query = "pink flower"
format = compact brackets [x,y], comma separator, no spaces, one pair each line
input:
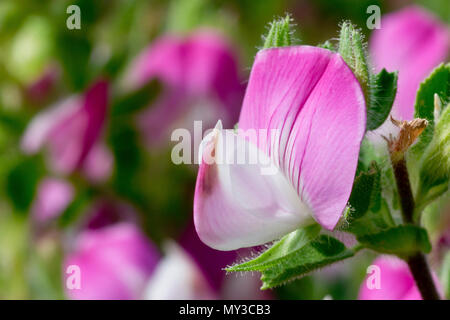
[53,197]
[114,262]
[210,261]
[310,98]
[41,88]
[395,281]
[413,42]
[177,277]
[98,164]
[201,80]
[70,130]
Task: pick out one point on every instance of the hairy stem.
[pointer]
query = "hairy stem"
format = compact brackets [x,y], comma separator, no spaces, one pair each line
[417,263]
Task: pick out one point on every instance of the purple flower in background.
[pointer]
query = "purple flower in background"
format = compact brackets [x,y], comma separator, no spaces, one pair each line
[70,131]
[98,164]
[413,42]
[314,103]
[209,260]
[40,89]
[53,197]
[106,212]
[177,277]
[395,281]
[115,263]
[201,79]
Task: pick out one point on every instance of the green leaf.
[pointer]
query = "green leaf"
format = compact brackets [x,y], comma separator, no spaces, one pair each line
[73,52]
[318,253]
[280,34]
[434,170]
[382,90]
[401,240]
[366,193]
[437,82]
[280,251]
[368,212]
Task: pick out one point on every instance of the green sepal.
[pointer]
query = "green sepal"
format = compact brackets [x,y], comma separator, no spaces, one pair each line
[280,251]
[438,82]
[351,48]
[321,252]
[434,172]
[279,35]
[295,255]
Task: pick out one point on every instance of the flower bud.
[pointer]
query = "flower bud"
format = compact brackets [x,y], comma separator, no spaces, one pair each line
[280,34]
[435,164]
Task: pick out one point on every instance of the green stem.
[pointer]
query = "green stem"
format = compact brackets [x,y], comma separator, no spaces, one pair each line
[417,263]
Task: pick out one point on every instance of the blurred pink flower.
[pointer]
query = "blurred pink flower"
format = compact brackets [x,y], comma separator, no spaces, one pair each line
[413,42]
[115,263]
[177,277]
[395,279]
[98,164]
[53,197]
[210,261]
[70,130]
[201,79]
[40,89]
[312,100]
[106,212]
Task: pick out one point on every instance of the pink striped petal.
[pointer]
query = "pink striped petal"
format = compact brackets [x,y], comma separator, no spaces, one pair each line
[240,204]
[413,42]
[312,97]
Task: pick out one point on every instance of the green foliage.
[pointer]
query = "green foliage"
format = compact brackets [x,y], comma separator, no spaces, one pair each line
[435,164]
[280,251]
[438,82]
[382,90]
[22,181]
[136,100]
[322,251]
[402,240]
[73,52]
[294,256]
